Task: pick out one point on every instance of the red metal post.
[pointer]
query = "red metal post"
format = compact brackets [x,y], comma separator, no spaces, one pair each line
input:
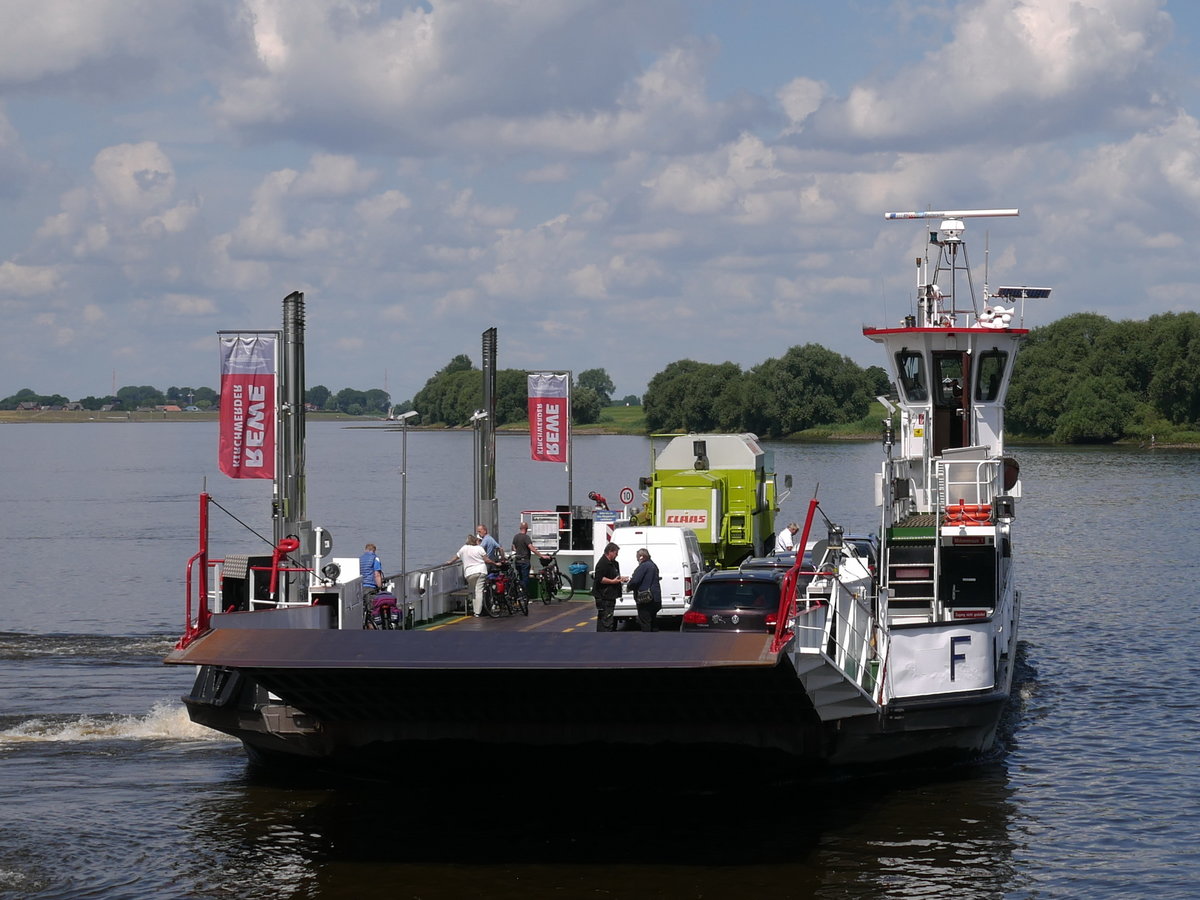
[190,631]
[787,596]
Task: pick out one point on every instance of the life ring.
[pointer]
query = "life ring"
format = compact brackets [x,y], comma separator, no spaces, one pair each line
[968,514]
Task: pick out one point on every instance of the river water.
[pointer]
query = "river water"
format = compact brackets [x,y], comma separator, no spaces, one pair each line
[107,791]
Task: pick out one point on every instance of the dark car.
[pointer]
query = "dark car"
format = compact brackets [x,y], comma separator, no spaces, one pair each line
[782,561]
[745,599]
[866,545]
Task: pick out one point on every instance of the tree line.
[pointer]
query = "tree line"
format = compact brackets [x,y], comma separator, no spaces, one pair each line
[1082,379]
[1085,379]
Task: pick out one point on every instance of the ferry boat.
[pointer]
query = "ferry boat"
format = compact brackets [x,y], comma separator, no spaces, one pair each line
[909,656]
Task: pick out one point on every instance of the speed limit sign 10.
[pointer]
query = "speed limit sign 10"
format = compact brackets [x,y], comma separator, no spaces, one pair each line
[626,495]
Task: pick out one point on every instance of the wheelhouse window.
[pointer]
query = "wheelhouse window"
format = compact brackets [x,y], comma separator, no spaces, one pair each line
[948,369]
[991,374]
[910,366]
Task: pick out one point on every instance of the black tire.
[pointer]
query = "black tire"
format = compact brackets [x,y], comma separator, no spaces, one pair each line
[491,603]
[544,589]
[565,591]
[521,599]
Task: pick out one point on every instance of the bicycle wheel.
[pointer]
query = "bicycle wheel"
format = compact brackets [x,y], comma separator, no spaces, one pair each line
[545,589]
[521,600]
[491,603]
[564,590]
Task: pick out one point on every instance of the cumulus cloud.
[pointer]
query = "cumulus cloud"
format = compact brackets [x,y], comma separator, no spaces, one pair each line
[466,76]
[27,281]
[1033,68]
[133,178]
[102,46]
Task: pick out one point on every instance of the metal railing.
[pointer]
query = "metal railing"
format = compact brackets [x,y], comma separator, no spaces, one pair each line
[838,624]
[967,481]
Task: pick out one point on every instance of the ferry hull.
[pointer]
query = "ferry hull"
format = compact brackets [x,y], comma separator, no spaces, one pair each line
[344,700]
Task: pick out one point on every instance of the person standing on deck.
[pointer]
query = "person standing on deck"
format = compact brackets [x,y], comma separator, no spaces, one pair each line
[491,546]
[523,550]
[371,570]
[786,542]
[475,568]
[606,588]
[647,592]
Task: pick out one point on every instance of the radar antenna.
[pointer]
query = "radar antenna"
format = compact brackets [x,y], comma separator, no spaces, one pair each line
[937,300]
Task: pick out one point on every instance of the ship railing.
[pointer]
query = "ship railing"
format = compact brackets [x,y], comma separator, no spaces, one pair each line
[847,638]
[967,476]
[431,591]
[194,626]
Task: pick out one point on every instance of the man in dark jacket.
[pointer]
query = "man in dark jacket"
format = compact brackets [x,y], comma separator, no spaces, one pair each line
[606,588]
[647,592]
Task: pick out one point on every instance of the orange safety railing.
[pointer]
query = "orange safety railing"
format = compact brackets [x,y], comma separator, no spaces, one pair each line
[193,629]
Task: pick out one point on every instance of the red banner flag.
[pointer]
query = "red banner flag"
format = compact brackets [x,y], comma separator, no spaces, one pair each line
[247,439]
[549,416]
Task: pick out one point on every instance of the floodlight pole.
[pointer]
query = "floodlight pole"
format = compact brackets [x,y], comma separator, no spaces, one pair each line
[404,420]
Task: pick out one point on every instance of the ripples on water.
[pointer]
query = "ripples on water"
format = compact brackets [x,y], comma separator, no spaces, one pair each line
[107,790]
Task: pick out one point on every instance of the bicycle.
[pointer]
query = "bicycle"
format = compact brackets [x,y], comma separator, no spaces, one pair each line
[503,593]
[380,611]
[553,583]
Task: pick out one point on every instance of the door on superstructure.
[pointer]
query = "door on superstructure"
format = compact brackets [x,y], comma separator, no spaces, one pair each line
[951,400]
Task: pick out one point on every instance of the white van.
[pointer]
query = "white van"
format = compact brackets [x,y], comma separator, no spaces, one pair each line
[675,551]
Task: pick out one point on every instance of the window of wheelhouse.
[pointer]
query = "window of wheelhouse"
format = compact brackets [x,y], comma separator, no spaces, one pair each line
[910,366]
[948,380]
[990,374]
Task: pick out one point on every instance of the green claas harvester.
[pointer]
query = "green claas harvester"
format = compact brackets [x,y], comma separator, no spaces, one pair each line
[722,486]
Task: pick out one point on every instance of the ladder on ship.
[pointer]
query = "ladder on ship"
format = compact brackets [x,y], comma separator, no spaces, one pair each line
[910,560]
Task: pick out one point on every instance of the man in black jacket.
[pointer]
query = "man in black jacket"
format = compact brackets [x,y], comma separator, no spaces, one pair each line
[647,592]
[606,588]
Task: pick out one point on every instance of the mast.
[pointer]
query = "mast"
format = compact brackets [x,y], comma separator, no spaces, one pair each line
[488,511]
[290,513]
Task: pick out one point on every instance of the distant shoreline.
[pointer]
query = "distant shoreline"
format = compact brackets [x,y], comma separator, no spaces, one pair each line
[59,416]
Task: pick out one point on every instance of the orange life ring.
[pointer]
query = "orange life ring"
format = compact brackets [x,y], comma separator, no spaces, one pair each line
[968,514]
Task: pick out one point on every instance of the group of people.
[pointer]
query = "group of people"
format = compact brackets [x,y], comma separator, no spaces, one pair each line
[608,583]
[481,551]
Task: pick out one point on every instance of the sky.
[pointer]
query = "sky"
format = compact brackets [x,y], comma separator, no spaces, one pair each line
[612,184]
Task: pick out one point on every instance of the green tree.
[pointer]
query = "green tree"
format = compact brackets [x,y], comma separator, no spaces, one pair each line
[1095,411]
[377,402]
[1174,383]
[142,397]
[806,387]
[24,395]
[512,397]
[1052,361]
[585,405]
[598,381]
[318,396]
[206,398]
[682,396]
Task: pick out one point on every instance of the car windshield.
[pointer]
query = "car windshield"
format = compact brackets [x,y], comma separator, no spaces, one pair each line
[714,594]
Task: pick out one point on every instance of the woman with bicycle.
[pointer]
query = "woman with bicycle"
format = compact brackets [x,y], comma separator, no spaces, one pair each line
[475,569]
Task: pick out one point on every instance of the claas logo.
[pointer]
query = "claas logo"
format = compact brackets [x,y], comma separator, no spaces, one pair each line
[687,518]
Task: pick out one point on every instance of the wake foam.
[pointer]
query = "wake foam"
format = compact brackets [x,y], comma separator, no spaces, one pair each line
[165,722]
